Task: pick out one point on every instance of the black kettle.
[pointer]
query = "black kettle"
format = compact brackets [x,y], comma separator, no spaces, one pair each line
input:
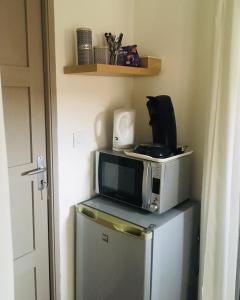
[162,121]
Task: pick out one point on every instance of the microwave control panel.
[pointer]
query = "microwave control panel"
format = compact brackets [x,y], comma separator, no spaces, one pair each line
[156,183]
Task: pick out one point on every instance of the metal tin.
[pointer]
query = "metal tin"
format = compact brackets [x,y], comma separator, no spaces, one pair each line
[85,56]
[84,46]
[101,55]
[84,36]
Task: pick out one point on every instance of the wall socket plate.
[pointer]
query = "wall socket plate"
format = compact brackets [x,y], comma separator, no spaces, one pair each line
[77,139]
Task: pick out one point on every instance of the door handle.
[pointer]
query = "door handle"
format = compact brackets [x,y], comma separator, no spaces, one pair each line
[34,171]
[40,172]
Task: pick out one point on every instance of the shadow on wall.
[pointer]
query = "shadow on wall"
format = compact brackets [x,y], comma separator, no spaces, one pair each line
[103,129]
[70,47]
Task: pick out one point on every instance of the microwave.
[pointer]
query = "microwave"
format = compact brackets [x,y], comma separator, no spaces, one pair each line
[152,186]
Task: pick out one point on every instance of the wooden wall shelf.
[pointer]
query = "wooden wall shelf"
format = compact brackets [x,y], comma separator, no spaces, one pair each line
[112,70]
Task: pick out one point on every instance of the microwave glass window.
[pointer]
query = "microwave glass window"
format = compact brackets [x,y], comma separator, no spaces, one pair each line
[118,178]
[121,178]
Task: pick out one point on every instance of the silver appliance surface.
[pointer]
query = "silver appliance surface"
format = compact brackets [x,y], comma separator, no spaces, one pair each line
[164,185]
[114,262]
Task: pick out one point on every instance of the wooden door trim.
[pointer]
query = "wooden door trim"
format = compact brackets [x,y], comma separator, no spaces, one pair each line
[51,142]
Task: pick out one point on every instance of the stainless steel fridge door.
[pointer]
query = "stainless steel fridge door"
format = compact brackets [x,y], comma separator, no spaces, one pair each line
[113,257]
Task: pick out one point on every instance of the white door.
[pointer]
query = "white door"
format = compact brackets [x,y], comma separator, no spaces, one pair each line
[21,67]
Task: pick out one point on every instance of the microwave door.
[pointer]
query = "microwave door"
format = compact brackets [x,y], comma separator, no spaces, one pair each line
[121,178]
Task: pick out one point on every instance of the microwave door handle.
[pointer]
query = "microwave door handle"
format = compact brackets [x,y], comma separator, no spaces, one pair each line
[147,184]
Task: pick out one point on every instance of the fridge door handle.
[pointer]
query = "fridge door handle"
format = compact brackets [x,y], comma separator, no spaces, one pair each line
[114,223]
[87,213]
[129,230]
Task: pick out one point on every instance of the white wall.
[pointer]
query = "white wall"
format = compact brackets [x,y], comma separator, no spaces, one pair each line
[172,30]
[6,252]
[85,105]
[166,29]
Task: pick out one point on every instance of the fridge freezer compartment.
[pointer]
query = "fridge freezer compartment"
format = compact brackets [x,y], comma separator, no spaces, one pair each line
[114,223]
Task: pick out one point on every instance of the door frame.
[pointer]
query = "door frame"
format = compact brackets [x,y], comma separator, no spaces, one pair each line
[48,36]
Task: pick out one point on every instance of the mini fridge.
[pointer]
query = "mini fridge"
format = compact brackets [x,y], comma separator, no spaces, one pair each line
[127,254]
